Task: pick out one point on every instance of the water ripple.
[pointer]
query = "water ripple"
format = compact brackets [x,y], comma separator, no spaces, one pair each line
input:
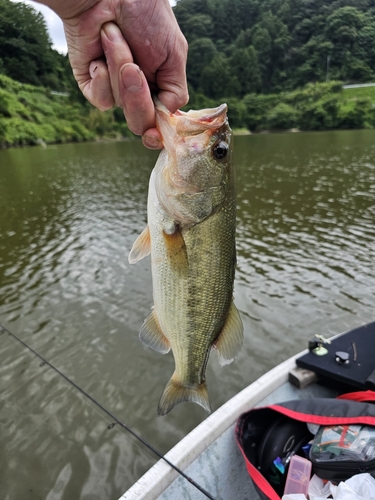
[68,218]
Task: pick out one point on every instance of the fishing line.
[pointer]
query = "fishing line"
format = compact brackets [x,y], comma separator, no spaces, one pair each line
[117,421]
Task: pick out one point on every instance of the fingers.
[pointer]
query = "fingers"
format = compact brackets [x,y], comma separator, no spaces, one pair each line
[87,59]
[129,85]
[92,77]
[152,139]
[148,31]
[97,90]
[139,109]
[117,53]
[171,78]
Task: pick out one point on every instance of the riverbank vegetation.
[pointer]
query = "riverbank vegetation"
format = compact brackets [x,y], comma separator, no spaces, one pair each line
[279,64]
[317,106]
[36,115]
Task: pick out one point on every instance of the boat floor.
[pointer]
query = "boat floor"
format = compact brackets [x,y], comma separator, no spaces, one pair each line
[220,468]
[209,454]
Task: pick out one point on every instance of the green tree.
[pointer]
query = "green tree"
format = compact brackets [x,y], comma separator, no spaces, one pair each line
[198,26]
[194,16]
[311,61]
[257,107]
[321,114]
[244,64]
[217,81]
[283,116]
[25,47]
[201,53]
[343,26]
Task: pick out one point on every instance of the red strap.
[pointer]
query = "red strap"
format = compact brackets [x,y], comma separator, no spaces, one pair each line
[322,419]
[359,396]
[258,478]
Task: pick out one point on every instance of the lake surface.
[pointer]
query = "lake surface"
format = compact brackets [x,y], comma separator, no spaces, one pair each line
[68,217]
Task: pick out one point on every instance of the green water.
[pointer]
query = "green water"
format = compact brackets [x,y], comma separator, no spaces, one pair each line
[68,217]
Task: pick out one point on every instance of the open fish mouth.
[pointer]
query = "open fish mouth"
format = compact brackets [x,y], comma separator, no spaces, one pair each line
[205,115]
[192,121]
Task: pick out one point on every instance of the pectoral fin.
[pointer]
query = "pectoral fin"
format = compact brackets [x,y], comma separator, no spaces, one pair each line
[176,251]
[141,247]
[152,335]
[230,340]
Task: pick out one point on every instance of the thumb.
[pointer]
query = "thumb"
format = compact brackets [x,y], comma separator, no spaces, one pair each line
[174,98]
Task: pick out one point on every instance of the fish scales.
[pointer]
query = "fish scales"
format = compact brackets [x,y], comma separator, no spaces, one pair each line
[206,289]
[191,238]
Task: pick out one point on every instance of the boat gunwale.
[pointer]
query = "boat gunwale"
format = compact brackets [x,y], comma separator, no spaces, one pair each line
[152,484]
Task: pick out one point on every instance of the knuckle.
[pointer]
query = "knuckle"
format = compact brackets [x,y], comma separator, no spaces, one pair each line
[104,106]
[135,128]
[185,45]
[185,99]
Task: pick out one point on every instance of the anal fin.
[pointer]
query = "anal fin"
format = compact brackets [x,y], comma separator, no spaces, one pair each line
[230,340]
[152,335]
[141,247]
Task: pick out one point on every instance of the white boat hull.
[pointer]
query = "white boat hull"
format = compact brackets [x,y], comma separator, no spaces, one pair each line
[209,453]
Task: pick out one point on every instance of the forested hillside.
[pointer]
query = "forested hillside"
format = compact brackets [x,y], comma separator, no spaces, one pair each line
[30,113]
[268,46]
[236,47]
[26,53]
[268,59]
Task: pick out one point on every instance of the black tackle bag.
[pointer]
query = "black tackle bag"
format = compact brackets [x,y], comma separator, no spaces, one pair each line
[269,436]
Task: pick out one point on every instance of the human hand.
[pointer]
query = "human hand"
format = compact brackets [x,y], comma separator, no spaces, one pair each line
[121,51]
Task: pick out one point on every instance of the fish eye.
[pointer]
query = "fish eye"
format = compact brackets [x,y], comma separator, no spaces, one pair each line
[220,150]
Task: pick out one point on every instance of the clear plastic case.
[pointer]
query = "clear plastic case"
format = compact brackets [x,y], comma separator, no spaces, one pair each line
[298,477]
[344,443]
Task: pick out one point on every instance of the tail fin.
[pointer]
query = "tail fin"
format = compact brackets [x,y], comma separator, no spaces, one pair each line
[176,392]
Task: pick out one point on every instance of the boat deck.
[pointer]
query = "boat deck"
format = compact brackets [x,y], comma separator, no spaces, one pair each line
[221,469]
[209,454]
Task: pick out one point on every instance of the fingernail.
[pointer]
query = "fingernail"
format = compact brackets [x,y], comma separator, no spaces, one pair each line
[131,77]
[92,68]
[151,142]
[112,32]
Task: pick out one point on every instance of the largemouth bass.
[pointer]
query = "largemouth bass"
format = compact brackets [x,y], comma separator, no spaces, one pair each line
[190,234]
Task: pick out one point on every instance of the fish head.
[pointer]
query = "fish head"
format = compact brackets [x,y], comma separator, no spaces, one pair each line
[198,169]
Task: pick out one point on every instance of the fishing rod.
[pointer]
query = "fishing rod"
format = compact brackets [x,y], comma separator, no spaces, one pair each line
[105,410]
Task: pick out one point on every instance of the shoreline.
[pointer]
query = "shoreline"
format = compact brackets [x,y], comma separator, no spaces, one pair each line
[236,132]
[40,143]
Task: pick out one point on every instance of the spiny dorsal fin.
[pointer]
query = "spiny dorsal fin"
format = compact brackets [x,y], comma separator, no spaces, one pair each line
[230,340]
[152,335]
[141,247]
[176,392]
